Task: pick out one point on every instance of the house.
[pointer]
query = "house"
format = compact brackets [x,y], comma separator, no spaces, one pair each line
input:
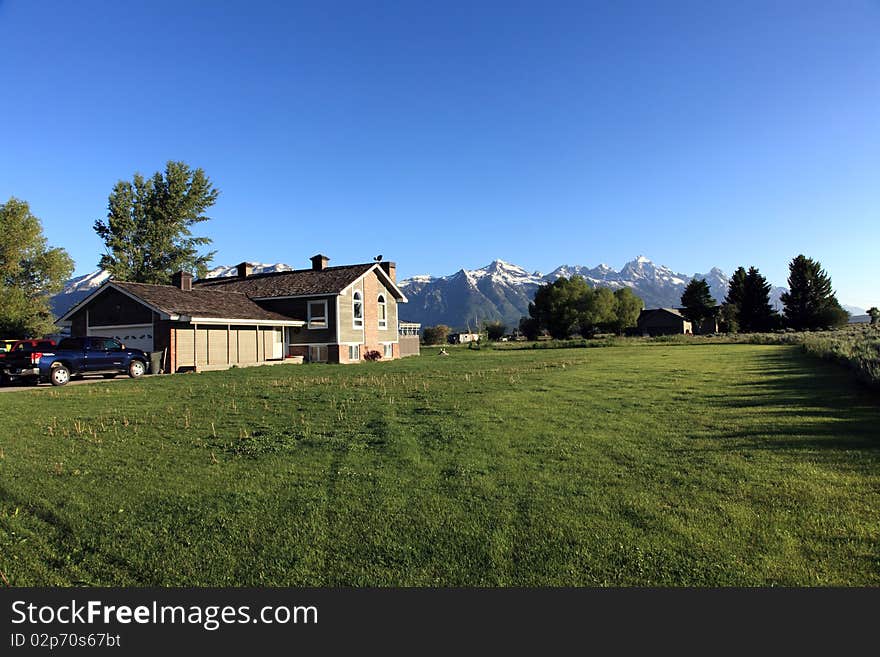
[662,321]
[322,314]
[671,321]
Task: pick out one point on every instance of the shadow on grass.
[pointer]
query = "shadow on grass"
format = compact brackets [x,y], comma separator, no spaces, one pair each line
[806,404]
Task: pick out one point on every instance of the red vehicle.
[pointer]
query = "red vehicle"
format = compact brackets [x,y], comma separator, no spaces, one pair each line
[18,347]
[31,345]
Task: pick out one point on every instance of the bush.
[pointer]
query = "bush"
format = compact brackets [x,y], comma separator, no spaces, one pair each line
[856,347]
[435,334]
[372,355]
[495,330]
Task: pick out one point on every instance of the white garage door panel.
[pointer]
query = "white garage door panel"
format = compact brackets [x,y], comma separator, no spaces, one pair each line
[136,336]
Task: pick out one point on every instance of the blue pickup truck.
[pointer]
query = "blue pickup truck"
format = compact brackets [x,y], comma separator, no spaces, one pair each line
[78,356]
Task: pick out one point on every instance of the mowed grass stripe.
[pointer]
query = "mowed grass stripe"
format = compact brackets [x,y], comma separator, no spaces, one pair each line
[643,465]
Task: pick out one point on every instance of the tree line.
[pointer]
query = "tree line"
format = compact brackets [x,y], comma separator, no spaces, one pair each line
[569,306]
[810,302]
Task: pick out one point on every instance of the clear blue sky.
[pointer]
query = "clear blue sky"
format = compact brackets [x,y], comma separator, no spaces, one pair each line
[447,134]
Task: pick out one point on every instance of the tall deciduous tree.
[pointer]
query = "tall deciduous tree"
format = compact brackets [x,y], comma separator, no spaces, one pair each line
[810,302]
[570,305]
[599,311]
[148,230]
[30,271]
[627,310]
[697,302]
[561,306]
[529,327]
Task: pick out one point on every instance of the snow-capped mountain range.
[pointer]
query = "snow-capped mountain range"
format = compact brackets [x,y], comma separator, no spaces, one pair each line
[502,291]
[499,291]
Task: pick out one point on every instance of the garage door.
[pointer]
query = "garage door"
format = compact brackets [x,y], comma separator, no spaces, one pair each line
[136,336]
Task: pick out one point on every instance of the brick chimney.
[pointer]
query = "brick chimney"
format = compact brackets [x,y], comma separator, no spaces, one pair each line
[245,269]
[183,280]
[319,262]
[390,269]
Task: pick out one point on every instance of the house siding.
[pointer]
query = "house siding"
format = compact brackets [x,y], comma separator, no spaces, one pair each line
[298,308]
[112,308]
[347,331]
[78,324]
[163,340]
[374,337]
[409,345]
[221,346]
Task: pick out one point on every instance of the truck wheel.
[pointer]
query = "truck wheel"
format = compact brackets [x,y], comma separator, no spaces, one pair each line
[59,375]
[136,369]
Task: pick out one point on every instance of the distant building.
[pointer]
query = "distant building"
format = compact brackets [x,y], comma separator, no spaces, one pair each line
[462,338]
[662,321]
[671,321]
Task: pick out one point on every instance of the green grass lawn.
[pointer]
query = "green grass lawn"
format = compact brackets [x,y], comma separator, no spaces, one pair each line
[702,465]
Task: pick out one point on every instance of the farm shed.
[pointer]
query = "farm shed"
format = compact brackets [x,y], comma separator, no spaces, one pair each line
[663,321]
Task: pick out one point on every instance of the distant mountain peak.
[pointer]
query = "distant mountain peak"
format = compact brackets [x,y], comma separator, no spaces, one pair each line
[225,271]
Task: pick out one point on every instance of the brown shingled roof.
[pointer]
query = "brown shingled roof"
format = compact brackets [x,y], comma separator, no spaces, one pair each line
[199,302]
[299,282]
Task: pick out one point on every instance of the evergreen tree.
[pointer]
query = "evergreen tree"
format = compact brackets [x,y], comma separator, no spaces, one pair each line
[148,231]
[30,271]
[697,302]
[756,313]
[810,302]
[733,301]
[728,317]
[874,313]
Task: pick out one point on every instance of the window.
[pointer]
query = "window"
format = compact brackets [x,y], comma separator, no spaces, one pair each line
[354,352]
[383,312]
[317,314]
[357,310]
[389,351]
[317,354]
